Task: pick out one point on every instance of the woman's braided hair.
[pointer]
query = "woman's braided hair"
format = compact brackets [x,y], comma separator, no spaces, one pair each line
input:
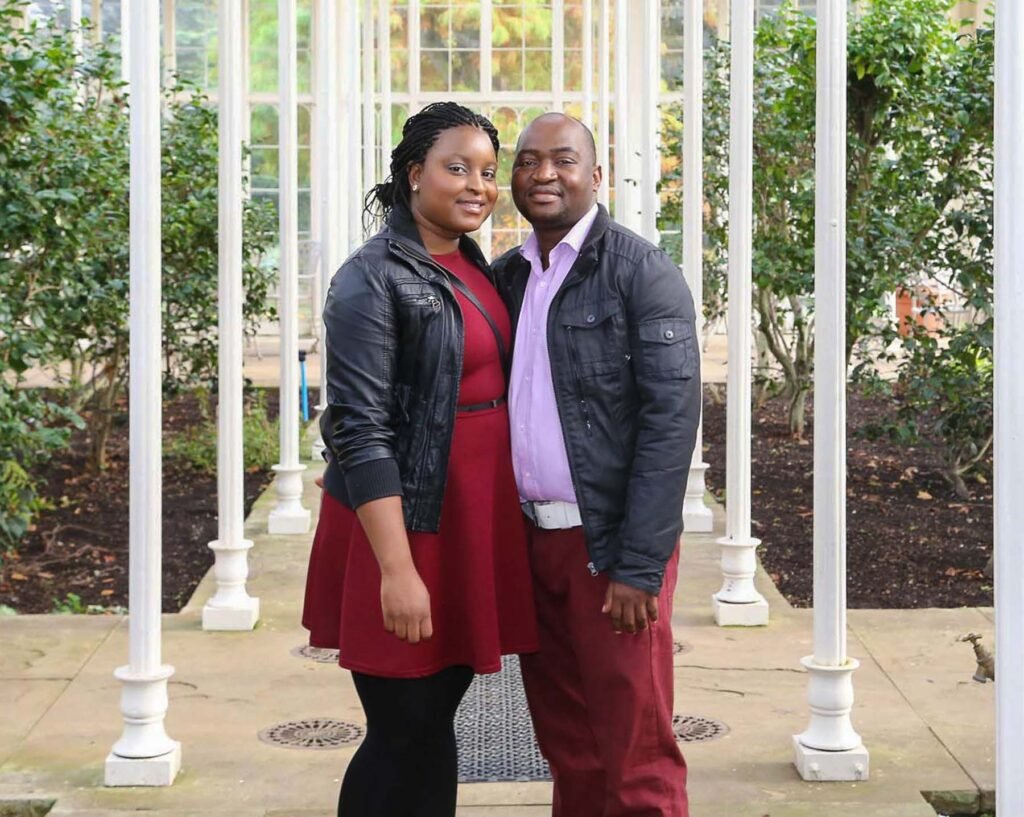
[419,133]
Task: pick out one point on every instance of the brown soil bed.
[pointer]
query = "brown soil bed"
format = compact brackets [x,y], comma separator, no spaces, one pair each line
[81,545]
[911,542]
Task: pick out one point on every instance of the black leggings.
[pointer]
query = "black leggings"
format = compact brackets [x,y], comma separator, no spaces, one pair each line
[407,764]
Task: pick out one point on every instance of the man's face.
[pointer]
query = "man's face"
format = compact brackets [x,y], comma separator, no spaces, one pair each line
[555,177]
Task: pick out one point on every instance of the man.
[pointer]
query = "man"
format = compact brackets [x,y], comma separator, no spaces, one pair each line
[604,401]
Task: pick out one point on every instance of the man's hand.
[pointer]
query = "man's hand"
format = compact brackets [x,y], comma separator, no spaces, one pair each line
[405,603]
[631,609]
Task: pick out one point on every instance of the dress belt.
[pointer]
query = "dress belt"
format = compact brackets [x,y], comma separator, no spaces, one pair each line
[490,404]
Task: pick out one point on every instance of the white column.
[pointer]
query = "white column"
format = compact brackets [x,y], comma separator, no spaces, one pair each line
[75,23]
[354,109]
[588,64]
[829,749]
[231,607]
[486,235]
[629,130]
[332,144]
[169,36]
[384,55]
[1009,398]
[96,20]
[558,54]
[126,37]
[369,109]
[697,516]
[414,50]
[648,59]
[738,603]
[144,755]
[603,98]
[289,515]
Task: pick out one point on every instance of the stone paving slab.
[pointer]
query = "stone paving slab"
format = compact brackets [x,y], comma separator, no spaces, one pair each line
[228,686]
[932,670]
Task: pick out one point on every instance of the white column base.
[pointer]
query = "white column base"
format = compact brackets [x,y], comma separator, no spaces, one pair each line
[697,516]
[231,607]
[818,765]
[830,749]
[738,604]
[144,755]
[289,516]
[145,771]
[750,614]
[317,449]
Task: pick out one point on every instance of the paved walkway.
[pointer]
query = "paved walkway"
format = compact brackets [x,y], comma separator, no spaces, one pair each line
[928,726]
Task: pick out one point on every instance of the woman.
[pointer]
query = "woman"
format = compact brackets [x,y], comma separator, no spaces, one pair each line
[419,574]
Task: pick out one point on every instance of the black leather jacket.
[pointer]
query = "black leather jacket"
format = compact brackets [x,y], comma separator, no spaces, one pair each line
[625,365]
[394,361]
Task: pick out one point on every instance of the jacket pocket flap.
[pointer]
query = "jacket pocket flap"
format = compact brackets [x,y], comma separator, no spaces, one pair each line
[588,316]
[666,331]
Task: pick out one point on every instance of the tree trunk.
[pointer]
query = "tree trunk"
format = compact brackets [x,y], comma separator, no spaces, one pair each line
[102,418]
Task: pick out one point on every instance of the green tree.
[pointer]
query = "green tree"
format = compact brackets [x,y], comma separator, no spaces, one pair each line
[912,129]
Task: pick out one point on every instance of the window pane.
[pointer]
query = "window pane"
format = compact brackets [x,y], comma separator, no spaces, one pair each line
[538,74]
[537,28]
[264,167]
[263,44]
[263,127]
[399,70]
[466,26]
[304,122]
[574,70]
[304,174]
[434,70]
[466,71]
[399,20]
[434,26]
[574,26]
[507,70]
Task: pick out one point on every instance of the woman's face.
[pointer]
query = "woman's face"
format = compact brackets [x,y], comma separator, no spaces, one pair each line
[455,187]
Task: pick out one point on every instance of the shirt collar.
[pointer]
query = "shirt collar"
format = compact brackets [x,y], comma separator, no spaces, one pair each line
[530,250]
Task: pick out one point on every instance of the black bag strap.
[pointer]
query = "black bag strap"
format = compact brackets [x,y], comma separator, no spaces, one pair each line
[471,297]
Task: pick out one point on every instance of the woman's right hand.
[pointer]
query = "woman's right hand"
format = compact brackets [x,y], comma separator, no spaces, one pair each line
[405,603]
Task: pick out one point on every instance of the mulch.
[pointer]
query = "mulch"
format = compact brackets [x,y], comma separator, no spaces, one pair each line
[80,546]
[911,542]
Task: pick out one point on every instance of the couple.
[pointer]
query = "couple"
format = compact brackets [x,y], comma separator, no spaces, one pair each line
[456,527]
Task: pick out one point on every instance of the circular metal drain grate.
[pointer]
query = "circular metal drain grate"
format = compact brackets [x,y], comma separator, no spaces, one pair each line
[694,729]
[679,647]
[314,733]
[318,654]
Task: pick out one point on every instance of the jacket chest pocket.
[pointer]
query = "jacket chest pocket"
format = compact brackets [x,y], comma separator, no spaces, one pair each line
[595,337]
[417,299]
[668,348]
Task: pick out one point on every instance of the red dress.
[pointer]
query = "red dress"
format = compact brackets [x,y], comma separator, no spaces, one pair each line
[475,567]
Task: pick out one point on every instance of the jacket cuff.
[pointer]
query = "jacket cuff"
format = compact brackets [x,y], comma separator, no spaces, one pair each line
[373,480]
[638,571]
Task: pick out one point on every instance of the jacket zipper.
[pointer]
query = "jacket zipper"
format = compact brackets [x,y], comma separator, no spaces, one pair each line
[400,248]
[579,378]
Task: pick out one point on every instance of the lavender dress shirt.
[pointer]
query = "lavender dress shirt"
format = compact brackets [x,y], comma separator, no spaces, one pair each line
[538,448]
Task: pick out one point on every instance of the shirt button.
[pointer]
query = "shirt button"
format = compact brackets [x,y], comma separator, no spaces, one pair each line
[669,334]
[591,318]
[543,284]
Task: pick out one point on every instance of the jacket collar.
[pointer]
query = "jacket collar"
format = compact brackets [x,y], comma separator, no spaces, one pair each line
[401,227]
[588,251]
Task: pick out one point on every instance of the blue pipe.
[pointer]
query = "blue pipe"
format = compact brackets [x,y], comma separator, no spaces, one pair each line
[303,388]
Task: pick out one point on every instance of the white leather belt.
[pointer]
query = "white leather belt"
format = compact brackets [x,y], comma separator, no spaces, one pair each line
[553,515]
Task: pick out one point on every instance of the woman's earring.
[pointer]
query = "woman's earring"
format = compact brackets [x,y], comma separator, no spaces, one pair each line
[415,188]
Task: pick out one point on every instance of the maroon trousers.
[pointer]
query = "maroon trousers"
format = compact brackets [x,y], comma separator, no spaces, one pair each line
[601,702]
